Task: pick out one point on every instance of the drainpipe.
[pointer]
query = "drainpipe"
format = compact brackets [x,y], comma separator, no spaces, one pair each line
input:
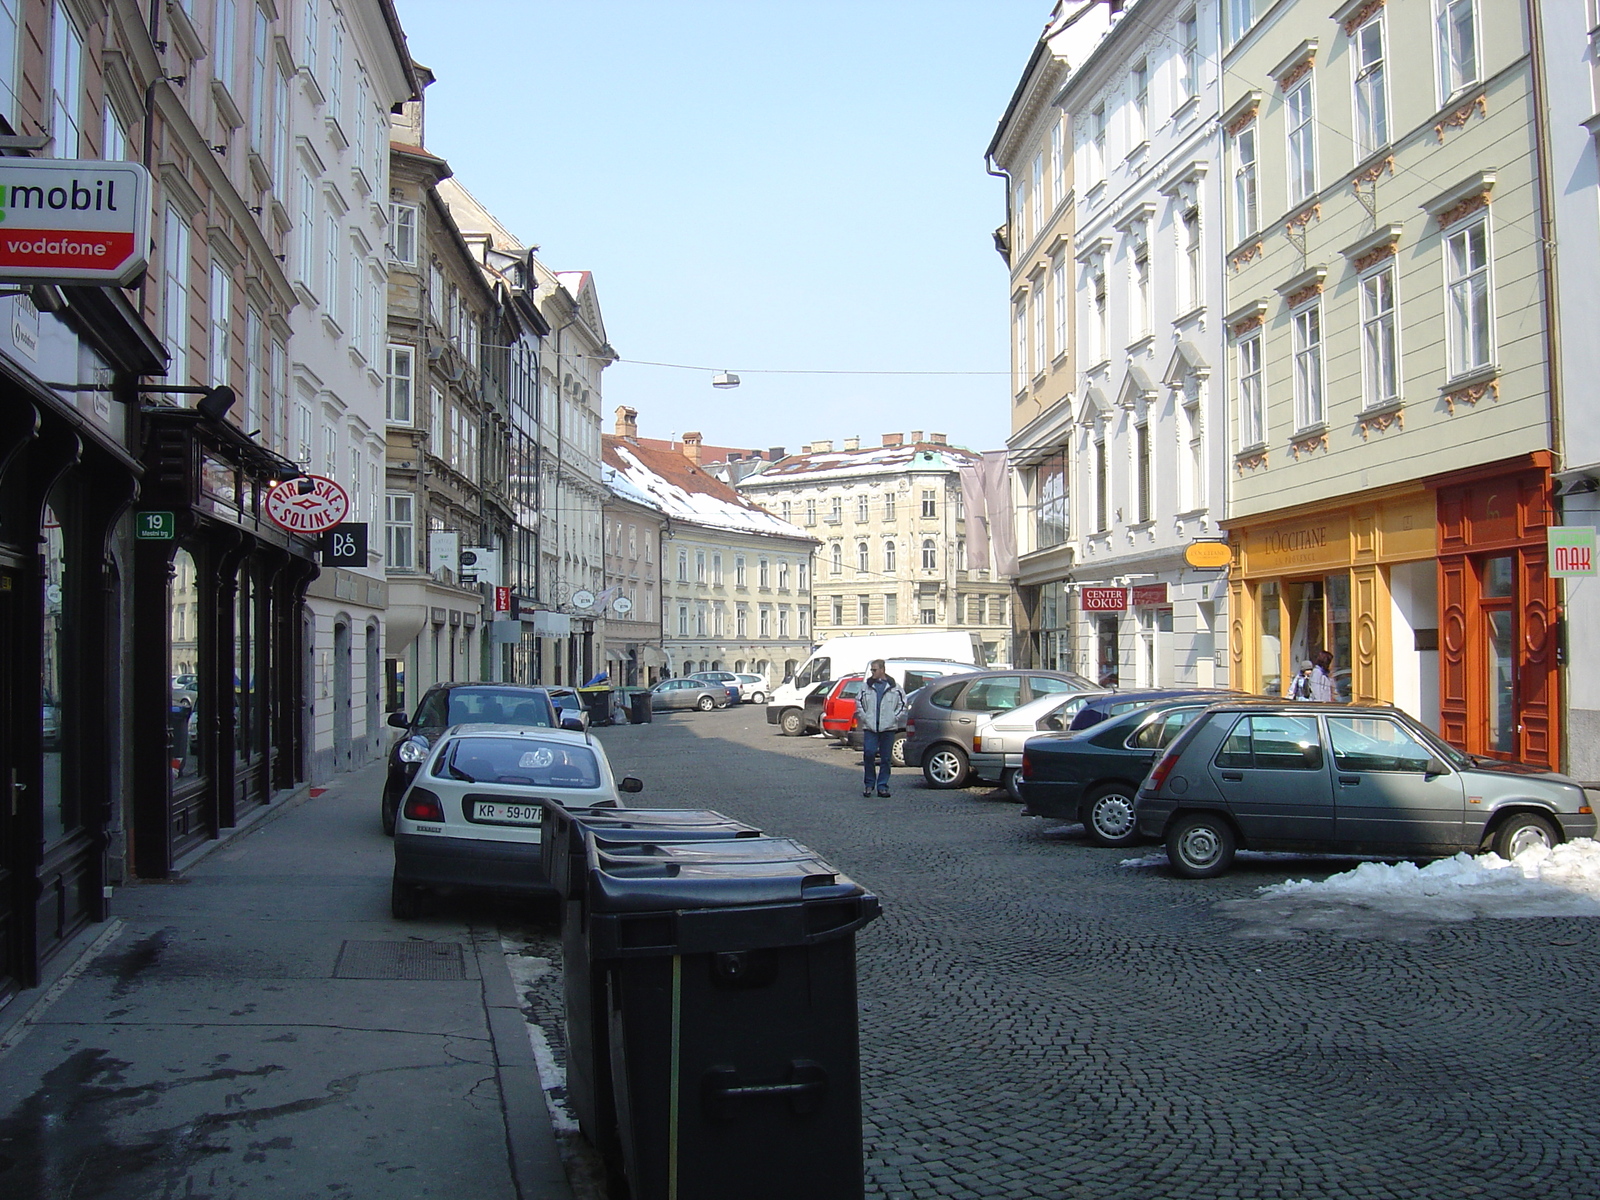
[1544,197]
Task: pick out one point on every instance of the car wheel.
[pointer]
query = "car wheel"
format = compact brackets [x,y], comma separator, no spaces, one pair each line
[758,697]
[1108,816]
[897,750]
[389,811]
[405,901]
[1200,845]
[1523,831]
[945,766]
[705,704]
[1011,782]
[793,722]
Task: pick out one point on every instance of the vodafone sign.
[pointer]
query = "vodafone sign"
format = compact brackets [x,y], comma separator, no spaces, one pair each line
[73,221]
[314,512]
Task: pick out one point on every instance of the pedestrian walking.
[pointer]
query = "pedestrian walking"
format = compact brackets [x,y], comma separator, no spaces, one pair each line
[1322,677]
[880,707]
[1300,689]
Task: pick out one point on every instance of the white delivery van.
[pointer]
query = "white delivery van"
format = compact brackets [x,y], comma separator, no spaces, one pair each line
[840,656]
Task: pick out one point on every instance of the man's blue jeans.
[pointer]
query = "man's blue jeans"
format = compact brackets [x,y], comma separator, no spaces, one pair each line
[876,748]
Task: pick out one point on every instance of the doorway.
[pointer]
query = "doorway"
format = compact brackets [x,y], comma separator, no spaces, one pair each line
[342,696]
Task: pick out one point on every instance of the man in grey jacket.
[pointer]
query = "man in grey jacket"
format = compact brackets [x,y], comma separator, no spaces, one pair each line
[880,707]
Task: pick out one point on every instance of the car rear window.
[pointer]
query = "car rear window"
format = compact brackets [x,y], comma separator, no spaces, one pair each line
[851,690]
[1160,730]
[1002,693]
[483,706]
[1272,743]
[945,697]
[524,761]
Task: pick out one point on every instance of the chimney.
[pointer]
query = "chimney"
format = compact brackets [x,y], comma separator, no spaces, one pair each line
[735,456]
[852,443]
[916,436]
[691,447]
[822,447]
[774,453]
[627,422]
[938,439]
[891,440]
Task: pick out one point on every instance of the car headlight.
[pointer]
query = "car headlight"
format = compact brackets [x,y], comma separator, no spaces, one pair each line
[413,750]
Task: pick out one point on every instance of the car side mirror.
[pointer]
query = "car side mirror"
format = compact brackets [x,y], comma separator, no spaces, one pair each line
[399,721]
[630,784]
[1312,755]
[573,723]
[1435,766]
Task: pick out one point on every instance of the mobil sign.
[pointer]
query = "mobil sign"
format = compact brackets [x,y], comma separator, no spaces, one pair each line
[72,221]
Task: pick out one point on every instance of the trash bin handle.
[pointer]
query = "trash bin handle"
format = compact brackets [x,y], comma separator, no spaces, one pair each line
[721,1091]
[868,911]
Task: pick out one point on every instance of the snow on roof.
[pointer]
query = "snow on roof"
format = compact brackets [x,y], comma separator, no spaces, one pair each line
[675,486]
[1560,882]
[880,460]
[572,280]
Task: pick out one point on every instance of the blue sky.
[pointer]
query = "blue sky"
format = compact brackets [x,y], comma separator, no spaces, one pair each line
[756,185]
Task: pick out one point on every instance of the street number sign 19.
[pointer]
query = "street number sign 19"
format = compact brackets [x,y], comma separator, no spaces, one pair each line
[155,527]
[316,511]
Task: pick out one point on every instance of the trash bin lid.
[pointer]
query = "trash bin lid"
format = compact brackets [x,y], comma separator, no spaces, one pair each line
[728,873]
[635,856]
[663,820]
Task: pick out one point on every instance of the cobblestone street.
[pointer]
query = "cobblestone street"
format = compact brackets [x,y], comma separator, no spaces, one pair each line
[1039,1020]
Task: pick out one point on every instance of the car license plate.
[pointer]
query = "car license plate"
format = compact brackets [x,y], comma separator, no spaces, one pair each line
[508,814]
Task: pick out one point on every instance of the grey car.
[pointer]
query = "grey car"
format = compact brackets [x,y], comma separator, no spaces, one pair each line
[688,693]
[1342,779]
[942,726]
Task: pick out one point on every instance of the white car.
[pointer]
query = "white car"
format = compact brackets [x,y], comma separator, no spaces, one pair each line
[471,818]
[752,688]
[997,745]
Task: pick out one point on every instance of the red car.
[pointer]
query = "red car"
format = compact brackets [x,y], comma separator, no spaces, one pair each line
[839,708]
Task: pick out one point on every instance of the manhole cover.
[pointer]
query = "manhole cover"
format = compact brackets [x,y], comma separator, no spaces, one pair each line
[400,960]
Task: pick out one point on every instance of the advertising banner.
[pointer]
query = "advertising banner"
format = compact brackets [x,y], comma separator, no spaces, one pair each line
[1104,599]
[73,221]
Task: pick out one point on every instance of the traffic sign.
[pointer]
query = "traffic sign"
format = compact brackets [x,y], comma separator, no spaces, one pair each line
[155,527]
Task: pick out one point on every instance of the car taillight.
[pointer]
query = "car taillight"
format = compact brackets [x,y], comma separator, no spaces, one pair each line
[423,805]
[911,724]
[1027,765]
[1163,768]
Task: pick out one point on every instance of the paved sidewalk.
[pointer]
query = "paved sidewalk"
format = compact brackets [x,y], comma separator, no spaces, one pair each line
[261,1028]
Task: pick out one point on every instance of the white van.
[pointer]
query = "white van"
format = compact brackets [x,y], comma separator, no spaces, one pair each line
[841,656]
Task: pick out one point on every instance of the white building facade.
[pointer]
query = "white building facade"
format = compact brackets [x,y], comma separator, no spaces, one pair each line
[351,67]
[1147,443]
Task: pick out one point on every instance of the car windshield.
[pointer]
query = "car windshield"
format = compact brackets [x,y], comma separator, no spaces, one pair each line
[513,760]
[484,706]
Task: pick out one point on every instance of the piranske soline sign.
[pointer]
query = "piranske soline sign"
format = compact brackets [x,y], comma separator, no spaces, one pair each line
[72,221]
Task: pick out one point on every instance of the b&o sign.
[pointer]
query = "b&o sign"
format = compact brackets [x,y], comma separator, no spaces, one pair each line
[316,511]
[73,221]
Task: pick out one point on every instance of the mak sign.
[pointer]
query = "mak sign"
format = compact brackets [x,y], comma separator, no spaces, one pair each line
[71,221]
[1572,551]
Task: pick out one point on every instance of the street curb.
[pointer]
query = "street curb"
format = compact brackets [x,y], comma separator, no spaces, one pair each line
[536,1166]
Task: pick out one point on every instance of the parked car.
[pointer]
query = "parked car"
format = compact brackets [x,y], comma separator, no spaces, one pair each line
[752,688]
[942,724]
[1347,779]
[726,678]
[50,721]
[1093,775]
[447,704]
[1115,704]
[999,740]
[471,818]
[806,717]
[910,673]
[569,704]
[688,693]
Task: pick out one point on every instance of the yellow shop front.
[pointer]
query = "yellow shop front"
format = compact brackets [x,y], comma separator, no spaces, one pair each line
[1357,578]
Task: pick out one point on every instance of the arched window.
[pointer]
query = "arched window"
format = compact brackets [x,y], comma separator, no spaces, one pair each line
[888,557]
[930,555]
[862,559]
[838,558]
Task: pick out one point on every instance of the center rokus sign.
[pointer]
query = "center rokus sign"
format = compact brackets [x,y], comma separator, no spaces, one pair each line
[315,511]
[73,221]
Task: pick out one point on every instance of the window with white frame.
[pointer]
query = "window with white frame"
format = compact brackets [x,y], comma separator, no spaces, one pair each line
[309,37]
[1468,315]
[280,134]
[436,444]
[1036,182]
[1019,352]
[1457,34]
[930,502]
[260,79]
[863,558]
[1099,328]
[930,555]
[175,293]
[355,477]
[1097,144]
[836,559]
[399,529]
[888,557]
[783,621]
[787,511]
[1139,316]
[683,566]
[1062,299]
[1187,59]
[306,233]
[862,503]
[739,579]
[683,620]
[741,621]
[302,432]
[802,575]
[863,610]
[9,66]
[223,33]
[255,361]
[1102,487]
[888,506]
[891,609]
[1252,399]
[1241,15]
[1380,360]
[66,84]
[1019,210]
[330,451]
[219,359]
[811,512]
[699,566]
[1309,410]
[1246,200]
[764,619]
[1300,119]
[403,233]
[763,574]
[836,604]
[336,69]
[835,509]
[783,575]
[1371,99]
[716,569]
[1192,271]
[1058,166]
[1139,109]
[700,621]
[1142,468]
[1039,345]
[1192,450]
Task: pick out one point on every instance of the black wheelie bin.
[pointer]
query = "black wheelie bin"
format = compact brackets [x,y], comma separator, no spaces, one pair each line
[727,971]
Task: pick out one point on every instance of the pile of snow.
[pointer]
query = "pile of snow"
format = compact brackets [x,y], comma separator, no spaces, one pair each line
[1562,882]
